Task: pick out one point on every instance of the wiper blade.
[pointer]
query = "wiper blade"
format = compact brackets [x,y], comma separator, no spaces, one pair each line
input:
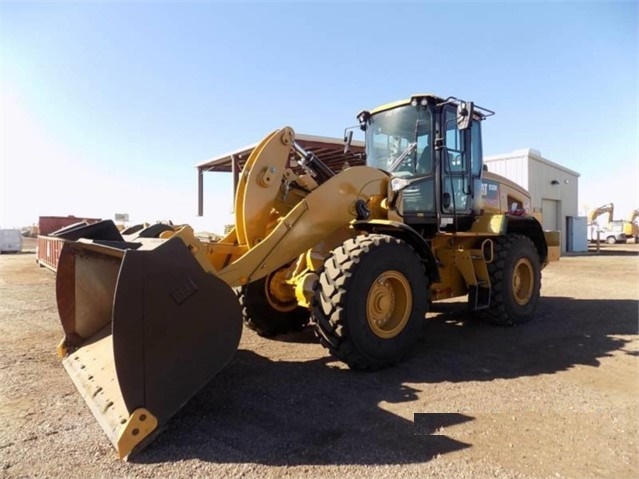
[409,149]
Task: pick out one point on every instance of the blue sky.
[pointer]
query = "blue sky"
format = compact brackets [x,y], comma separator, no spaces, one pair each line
[107,107]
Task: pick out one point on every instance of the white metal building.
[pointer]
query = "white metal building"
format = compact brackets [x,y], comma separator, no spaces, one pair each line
[553,188]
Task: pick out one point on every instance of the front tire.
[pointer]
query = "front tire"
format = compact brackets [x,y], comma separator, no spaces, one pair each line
[370,301]
[515,278]
[269,308]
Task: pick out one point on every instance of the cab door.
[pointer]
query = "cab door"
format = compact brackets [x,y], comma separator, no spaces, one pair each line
[455,166]
[457,170]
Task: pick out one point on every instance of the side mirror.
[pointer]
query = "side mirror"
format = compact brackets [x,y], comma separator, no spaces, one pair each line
[465,111]
[348,139]
[362,118]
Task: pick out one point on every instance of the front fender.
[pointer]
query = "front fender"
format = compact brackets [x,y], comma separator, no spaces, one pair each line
[409,235]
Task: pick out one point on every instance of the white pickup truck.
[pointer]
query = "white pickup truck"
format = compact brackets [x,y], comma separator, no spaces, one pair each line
[611,233]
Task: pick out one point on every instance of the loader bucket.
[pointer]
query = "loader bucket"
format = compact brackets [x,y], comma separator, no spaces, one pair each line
[145,328]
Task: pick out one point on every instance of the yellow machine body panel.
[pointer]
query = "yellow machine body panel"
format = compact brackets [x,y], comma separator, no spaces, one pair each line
[457,253]
[502,195]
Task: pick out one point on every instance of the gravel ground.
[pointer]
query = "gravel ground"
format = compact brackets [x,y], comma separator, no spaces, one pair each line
[558,397]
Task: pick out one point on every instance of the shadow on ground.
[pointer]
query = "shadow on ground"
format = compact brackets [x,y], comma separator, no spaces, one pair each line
[312,412]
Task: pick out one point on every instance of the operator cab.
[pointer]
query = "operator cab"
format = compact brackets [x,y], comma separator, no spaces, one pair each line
[432,148]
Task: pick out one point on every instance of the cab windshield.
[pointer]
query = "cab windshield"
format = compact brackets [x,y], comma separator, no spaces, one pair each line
[391,133]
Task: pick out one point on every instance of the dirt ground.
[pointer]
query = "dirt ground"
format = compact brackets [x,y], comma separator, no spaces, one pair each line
[557,397]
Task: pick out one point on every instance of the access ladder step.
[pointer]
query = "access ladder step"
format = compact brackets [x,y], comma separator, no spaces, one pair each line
[479,296]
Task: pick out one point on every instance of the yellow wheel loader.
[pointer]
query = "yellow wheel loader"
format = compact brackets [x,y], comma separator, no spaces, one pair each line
[631,227]
[360,254]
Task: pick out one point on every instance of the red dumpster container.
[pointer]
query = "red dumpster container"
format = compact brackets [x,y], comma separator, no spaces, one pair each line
[48,247]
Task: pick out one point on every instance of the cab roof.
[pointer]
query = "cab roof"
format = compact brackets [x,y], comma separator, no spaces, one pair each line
[395,104]
[481,113]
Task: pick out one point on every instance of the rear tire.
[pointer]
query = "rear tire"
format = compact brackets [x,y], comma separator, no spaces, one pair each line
[515,278]
[265,314]
[370,301]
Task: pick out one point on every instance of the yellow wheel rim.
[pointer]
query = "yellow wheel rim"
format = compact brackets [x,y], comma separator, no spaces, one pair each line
[279,294]
[523,281]
[389,303]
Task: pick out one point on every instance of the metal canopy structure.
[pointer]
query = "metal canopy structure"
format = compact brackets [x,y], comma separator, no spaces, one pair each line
[328,150]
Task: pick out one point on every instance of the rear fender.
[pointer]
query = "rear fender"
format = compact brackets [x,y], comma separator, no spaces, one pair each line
[546,242]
